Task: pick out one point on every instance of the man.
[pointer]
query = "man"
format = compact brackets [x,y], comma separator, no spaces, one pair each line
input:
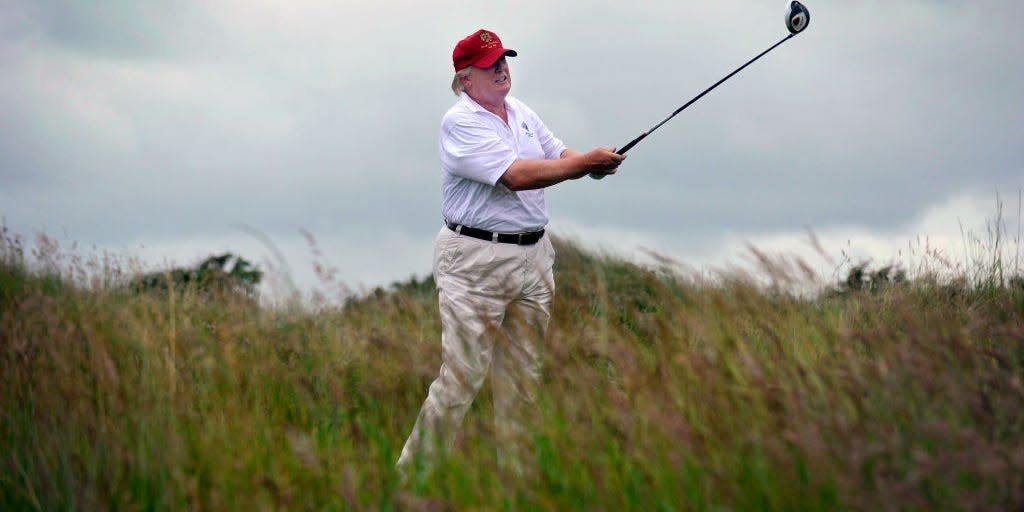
[492,260]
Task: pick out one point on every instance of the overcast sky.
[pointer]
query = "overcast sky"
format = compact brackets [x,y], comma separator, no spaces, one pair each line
[170,130]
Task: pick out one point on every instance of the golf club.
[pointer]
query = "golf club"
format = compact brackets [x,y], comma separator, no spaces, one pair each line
[797,18]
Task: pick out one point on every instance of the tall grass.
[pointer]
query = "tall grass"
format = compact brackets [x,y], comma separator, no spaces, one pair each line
[660,392]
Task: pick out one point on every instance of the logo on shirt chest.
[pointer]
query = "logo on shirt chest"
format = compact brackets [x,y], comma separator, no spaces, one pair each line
[526,130]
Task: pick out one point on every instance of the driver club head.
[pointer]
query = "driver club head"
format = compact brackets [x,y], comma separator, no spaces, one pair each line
[797,17]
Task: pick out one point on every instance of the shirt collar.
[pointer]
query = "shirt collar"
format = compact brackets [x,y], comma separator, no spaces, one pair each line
[472,105]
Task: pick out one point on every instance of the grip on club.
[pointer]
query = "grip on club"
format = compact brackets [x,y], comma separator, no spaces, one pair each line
[631,143]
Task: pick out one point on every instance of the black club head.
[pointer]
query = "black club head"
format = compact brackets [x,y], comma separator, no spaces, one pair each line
[797,17]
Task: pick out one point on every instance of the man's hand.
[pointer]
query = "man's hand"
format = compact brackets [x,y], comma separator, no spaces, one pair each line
[602,162]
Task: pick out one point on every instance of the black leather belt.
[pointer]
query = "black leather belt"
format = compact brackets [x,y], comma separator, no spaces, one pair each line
[528,238]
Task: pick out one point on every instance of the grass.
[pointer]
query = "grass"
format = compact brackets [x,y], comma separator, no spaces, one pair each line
[660,392]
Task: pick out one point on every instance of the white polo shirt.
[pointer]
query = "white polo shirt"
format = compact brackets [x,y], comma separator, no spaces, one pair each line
[476,148]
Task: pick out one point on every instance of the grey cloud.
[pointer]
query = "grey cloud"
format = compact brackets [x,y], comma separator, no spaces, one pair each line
[121,121]
[114,28]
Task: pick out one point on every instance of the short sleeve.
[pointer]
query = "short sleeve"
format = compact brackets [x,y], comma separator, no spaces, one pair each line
[471,149]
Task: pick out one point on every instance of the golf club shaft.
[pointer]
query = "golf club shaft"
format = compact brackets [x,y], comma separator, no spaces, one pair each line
[634,142]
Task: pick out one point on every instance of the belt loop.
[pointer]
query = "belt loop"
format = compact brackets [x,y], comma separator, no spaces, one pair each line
[520,241]
[494,237]
[458,229]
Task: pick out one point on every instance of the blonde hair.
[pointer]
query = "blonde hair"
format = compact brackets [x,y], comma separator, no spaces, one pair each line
[457,87]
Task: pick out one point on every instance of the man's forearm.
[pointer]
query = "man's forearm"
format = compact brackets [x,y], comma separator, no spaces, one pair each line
[533,174]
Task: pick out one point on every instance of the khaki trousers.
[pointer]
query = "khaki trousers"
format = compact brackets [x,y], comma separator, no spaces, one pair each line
[495,302]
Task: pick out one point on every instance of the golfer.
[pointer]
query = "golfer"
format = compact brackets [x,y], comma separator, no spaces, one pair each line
[492,260]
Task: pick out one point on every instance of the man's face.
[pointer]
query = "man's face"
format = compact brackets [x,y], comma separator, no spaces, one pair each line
[492,83]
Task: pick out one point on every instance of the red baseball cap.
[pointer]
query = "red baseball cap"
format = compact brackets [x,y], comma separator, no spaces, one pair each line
[481,49]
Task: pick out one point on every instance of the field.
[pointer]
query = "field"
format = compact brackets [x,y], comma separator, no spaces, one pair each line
[660,392]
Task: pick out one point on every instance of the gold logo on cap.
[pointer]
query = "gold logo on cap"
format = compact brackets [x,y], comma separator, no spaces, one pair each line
[485,37]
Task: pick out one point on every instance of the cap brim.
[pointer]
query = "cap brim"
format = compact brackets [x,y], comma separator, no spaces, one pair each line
[491,57]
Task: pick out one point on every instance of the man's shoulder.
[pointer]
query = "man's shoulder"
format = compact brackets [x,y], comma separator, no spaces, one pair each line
[462,109]
[464,113]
